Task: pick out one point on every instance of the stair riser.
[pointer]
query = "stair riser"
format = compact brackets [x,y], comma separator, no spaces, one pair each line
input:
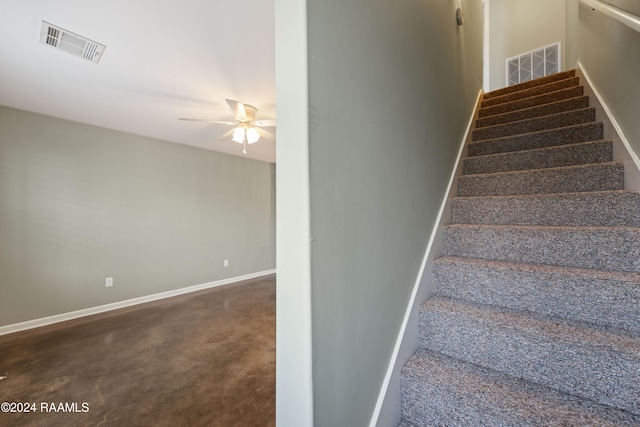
[597,177]
[543,110]
[534,319]
[440,391]
[546,98]
[543,139]
[606,248]
[564,155]
[559,120]
[531,83]
[578,209]
[587,370]
[609,301]
[537,90]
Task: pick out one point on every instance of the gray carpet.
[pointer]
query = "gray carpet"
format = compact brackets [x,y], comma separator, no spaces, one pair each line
[550,121]
[543,99]
[600,208]
[540,139]
[539,158]
[535,319]
[541,110]
[530,92]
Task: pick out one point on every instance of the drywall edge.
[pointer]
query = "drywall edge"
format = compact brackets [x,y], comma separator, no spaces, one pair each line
[294,352]
[395,363]
[63,317]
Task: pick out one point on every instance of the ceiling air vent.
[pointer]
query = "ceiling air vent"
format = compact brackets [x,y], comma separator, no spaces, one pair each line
[71,43]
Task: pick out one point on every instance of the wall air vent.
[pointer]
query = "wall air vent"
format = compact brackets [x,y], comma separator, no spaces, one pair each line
[71,43]
[532,65]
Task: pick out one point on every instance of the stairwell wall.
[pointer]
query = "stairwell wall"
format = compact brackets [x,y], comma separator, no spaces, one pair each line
[519,26]
[80,203]
[609,53]
[391,88]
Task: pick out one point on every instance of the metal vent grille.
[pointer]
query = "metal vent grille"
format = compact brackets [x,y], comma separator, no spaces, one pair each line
[532,65]
[71,43]
[52,36]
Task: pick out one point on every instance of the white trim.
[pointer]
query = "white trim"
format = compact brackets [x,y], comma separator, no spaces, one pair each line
[294,331]
[486,59]
[629,19]
[44,321]
[611,117]
[407,314]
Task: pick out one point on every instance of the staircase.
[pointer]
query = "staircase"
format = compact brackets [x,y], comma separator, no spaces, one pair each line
[535,318]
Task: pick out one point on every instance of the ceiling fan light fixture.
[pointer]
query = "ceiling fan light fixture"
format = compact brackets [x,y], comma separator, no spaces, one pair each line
[238,135]
[252,135]
[246,130]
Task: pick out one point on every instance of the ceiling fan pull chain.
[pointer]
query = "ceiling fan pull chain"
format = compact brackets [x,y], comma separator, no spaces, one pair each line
[244,145]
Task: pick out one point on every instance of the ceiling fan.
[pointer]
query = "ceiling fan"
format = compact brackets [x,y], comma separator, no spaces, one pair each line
[247,129]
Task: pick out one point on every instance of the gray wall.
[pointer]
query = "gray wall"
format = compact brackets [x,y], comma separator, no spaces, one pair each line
[80,203]
[391,89]
[610,55]
[572,45]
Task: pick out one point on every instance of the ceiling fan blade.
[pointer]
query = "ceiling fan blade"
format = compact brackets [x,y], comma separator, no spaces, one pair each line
[226,135]
[206,120]
[268,123]
[237,108]
[265,134]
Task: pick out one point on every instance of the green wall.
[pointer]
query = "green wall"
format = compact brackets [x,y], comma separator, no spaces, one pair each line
[391,89]
[80,203]
[610,55]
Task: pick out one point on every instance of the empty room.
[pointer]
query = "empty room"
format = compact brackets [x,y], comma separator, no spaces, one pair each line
[137,250]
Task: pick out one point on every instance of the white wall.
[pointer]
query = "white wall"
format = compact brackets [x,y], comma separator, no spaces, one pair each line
[80,203]
[294,385]
[519,26]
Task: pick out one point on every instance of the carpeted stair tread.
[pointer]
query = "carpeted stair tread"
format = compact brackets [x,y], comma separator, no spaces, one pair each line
[440,391]
[535,317]
[603,248]
[405,423]
[539,158]
[566,179]
[600,365]
[533,91]
[552,121]
[600,208]
[563,75]
[542,99]
[540,139]
[602,298]
[537,111]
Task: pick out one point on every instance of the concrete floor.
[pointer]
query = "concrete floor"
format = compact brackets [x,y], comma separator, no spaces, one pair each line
[200,359]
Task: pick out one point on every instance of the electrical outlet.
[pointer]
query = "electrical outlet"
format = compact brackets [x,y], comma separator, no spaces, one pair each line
[108,282]
[226,263]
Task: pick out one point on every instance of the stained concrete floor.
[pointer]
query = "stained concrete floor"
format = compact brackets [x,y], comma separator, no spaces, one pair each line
[200,359]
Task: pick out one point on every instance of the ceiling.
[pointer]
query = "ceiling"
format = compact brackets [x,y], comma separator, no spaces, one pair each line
[164,59]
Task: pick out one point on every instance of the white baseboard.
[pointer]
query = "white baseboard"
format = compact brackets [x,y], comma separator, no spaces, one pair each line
[396,350]
[44,321]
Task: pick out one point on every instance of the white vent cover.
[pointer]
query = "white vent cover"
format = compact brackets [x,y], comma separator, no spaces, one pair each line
[534,64]
[69,42]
